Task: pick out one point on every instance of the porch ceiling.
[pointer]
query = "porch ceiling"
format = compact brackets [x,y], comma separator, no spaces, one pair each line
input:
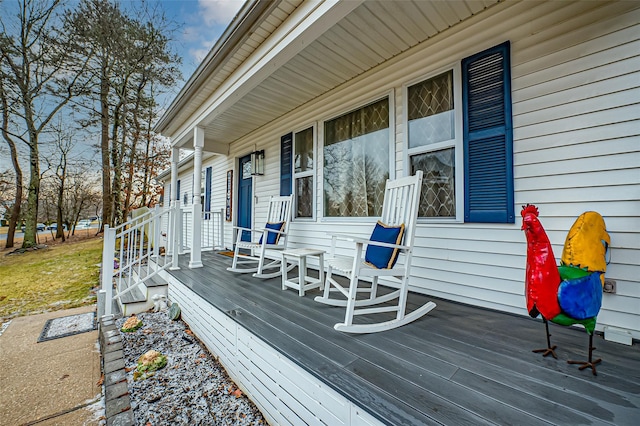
[372,33]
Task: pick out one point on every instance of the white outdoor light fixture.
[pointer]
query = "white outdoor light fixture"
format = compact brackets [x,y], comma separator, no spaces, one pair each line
[257,163]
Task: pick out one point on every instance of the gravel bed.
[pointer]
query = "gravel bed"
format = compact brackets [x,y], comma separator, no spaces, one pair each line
[192,389]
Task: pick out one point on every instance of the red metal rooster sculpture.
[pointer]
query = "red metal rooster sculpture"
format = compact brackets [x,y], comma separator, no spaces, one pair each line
[572,292]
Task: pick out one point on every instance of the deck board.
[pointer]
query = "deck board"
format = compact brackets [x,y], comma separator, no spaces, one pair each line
[457,365]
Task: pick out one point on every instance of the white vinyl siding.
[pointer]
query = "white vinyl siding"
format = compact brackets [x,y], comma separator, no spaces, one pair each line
[576,116]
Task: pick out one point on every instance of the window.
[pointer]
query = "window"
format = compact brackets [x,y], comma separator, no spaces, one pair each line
[303,172]
[431,135]
[356,161]
[207,191]
[459,133]
[202,188]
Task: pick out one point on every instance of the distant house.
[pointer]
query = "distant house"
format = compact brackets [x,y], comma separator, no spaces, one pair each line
[499,103]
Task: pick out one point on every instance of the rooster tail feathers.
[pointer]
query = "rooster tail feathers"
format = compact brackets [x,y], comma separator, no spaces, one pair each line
[586,244]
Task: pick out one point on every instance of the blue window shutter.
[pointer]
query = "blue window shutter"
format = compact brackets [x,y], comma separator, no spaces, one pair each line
[178,191]
[286,174]
[488,136]
[207,189]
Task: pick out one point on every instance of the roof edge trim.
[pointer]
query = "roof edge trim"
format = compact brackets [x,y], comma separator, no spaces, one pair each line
[250,13]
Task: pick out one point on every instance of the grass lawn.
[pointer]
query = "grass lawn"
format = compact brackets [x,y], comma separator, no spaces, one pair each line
[58,277]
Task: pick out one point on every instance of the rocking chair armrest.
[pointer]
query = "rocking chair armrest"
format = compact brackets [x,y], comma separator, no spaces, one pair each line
[260,230]
[274,231]
[241,228]
[364,241]
[344,237]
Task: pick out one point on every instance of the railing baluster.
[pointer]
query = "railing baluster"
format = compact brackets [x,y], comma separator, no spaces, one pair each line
[157,224]
[122,259]
[127,243]
[221,226]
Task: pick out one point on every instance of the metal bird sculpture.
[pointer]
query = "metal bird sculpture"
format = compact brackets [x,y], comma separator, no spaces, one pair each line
[572,292]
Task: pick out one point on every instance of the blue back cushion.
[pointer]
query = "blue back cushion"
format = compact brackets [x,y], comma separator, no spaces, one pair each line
[384,257]
[272,237]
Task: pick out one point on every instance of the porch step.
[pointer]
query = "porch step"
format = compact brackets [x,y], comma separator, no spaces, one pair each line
[133,296]
[140,299]
[155,281]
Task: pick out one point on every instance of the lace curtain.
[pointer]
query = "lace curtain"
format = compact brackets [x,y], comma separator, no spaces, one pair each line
[356,161]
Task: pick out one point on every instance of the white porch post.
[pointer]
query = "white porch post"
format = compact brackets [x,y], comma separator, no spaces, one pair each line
[174,216]
[196,237]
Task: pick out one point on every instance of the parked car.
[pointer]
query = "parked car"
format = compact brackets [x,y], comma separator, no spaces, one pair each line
[83,224]
[54,226]
[39,227]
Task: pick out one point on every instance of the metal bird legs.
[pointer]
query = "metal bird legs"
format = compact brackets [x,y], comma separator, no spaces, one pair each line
[549,350]
[590,363]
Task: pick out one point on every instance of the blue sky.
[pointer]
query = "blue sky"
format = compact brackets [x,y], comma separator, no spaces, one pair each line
[203,21]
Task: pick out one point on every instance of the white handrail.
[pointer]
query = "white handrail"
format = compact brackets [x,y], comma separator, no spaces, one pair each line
[131,251]
[128,252]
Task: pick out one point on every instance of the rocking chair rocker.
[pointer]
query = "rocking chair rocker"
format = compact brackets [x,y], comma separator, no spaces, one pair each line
[265,254]
[399,216]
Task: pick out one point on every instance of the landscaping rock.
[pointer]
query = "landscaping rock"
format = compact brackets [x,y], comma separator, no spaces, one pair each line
[193,388]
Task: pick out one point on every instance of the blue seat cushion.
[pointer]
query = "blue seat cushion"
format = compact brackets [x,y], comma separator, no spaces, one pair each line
[272,237]
[384,257]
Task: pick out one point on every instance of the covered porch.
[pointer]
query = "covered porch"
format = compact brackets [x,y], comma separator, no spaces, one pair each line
[457,365]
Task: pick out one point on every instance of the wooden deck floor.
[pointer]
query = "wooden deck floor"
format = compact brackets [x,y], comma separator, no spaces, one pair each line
[457,365]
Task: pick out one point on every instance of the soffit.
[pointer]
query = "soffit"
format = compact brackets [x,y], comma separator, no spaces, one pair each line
[371,34]
[244,48]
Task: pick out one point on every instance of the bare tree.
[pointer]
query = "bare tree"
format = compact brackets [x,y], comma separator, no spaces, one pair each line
[60,162]
[44,72]
[17,200]
[82,196]
[127,54]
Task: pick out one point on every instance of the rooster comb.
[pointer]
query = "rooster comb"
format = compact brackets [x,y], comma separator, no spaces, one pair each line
[529,209]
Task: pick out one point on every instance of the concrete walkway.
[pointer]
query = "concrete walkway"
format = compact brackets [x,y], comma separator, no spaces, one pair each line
[51,382]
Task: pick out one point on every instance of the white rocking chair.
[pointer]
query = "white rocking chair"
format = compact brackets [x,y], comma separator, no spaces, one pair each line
[400,208]
[266,244]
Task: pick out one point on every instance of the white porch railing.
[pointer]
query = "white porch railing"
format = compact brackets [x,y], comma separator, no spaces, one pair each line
[131,251]
[211,230]
[128,251]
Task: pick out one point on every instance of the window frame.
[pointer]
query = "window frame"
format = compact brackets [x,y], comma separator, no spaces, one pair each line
[208,189]
[313,172]
[203,175]
[346,109]
[456,143]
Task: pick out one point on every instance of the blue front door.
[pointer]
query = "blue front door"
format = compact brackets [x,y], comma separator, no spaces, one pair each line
[245,193]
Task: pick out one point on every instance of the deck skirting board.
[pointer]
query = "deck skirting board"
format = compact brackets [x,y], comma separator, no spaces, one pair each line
[284,392]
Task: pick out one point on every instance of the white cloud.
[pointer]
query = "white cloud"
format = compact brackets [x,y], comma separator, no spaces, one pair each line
[199,53]
[219,12]
[204,22]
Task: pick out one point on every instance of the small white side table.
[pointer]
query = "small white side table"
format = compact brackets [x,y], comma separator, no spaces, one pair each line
[302,282]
